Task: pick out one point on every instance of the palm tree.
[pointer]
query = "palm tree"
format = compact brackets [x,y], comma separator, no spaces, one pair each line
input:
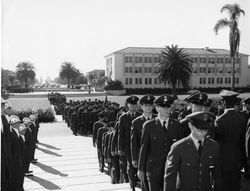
[175,67]
[234,12]
[68,71]
[11,79]
[25,71]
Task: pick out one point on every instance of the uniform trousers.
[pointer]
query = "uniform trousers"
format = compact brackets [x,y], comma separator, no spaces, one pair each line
[155,185]
[231,180]
[123,169]
[132,172]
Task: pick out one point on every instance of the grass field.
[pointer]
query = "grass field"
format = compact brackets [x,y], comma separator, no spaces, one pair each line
[26,103]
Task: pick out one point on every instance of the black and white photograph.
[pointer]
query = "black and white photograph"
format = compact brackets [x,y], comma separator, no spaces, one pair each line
[135,95]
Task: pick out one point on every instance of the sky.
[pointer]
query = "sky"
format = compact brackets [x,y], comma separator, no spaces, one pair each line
[50,32]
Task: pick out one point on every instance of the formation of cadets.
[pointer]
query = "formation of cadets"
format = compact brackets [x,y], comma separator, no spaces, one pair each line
[153,144]
[18,143]
[156,144]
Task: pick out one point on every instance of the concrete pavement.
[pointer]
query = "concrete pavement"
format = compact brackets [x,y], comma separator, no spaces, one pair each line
[67,162]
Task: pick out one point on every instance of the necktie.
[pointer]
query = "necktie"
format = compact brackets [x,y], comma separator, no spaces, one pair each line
[200,147]
[132,115]
[164,126]
[148,118]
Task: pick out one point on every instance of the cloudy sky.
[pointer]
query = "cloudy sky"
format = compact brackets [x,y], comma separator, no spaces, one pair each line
[49,32]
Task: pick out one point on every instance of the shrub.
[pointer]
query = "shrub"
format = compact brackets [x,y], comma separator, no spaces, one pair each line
[114,85]
[44,115]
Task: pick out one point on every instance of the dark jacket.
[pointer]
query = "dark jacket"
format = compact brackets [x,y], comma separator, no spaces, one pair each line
[186,170]
[155,145]
[230,134]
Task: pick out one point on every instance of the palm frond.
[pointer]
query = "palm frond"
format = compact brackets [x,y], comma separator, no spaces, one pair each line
[221,24]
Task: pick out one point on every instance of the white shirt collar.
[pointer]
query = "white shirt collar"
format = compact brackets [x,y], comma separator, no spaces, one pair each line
[161,120]
[150,117]
[196,140]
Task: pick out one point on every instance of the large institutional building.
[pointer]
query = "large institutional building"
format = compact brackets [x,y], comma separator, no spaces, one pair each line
[135,67]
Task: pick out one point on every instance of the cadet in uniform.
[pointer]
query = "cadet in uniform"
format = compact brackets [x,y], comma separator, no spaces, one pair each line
[125,122]
[158,135]
[147,106]
[193,162]
[198,103]
[230,134]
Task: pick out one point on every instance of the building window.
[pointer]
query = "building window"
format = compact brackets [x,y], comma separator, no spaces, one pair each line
[221,80]
[126,59]
[195,70]
[140,81]
[221,60]
[200,80]
[195,60]
[130,80]
[204,81]
[213,70]
[200,69]
[130,70]
[140,69]
[145,59]
[209,70]
[209,80]
[150,81]
[155,59]
[126,69]
[126,81]
[155,81]
[136,59]
[204,70]
[149,70]
[146,80]
[237,80]
[145,69]
[136,81]
[136,70]
[212,80]
[204,59]
[225,80]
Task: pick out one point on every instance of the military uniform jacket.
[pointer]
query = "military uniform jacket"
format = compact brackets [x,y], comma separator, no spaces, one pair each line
[230,134]
[136,130]
[155,145]
[125,122]
[97,125]
[186,170]
[100,133]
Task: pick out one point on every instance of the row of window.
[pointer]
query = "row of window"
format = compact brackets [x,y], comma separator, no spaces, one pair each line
[156,59]
[218,80]
[213,60]
[202,70]
[140,59]
[210,70]
[139,70]
[140,81]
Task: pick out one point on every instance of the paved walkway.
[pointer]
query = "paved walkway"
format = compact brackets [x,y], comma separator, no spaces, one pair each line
[67,162]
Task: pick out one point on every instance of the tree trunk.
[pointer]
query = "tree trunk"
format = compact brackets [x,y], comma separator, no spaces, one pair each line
[26,82]
[232,72]
[174,91]
[68,82]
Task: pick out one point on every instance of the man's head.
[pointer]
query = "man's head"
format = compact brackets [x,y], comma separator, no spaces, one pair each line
[132,103]
[198,101]
[14,121]
[199,123]
[7,108]
[246,104]
[229,98]
[147,104]
[164,104]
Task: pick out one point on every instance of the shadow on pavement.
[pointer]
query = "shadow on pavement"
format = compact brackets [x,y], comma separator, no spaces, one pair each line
[44,183]
[48,152]
[48,146]
[50,169]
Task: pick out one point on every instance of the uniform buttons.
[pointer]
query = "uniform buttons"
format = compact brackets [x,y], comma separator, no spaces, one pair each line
[200,172]
[199,179]
[200,164]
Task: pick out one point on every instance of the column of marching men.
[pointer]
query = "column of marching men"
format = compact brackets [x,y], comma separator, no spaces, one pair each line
[163,147]
[18,143]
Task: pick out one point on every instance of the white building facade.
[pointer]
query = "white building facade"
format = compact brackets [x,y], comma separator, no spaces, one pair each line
[135,67]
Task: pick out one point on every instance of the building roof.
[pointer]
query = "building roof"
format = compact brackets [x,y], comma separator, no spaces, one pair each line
[152,50]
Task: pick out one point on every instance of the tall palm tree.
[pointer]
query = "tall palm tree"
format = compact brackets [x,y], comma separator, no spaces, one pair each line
[234,12]
[25,71]
[175,67]
[68,71]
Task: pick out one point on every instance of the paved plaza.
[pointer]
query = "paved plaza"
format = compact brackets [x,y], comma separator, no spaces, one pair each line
[67,162]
